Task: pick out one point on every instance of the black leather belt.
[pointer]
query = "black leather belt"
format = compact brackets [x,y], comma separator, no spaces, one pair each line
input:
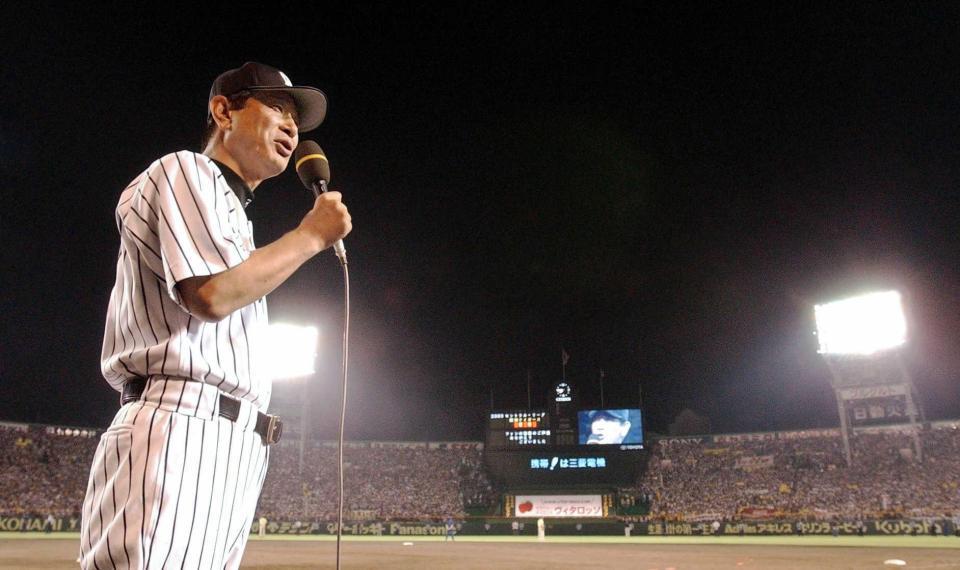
[269,427]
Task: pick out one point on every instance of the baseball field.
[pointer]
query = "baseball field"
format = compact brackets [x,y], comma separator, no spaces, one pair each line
[28,551]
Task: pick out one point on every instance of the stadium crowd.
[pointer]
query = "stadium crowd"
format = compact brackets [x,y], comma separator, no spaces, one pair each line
[387,481]
[44,470]
[803,475]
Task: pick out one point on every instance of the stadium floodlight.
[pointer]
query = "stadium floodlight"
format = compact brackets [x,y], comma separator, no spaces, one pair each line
[291,351]
[861,325]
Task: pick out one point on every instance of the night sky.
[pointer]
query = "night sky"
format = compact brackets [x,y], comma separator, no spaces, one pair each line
[664,190]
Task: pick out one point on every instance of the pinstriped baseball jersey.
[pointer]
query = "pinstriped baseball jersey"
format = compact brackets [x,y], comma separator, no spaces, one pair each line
[173,484]
[180,219]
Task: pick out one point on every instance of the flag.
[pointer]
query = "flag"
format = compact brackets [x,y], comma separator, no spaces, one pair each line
[564,356]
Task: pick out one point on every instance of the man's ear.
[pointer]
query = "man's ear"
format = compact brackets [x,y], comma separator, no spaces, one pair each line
[219,108]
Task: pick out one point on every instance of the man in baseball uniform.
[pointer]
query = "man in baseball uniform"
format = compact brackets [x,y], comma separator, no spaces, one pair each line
[176,478]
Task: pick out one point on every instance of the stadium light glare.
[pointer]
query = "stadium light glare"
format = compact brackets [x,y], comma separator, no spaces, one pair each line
[861,325]
[291,351]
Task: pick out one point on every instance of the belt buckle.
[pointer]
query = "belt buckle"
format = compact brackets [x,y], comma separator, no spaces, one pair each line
[274,430]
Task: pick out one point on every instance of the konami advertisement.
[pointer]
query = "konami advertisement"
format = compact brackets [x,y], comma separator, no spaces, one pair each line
[557,506]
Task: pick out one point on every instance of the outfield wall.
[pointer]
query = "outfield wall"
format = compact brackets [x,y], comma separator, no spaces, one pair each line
[593,527]
[500,526]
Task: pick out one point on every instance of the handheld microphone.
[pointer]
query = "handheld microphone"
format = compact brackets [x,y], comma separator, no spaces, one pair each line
[314,172]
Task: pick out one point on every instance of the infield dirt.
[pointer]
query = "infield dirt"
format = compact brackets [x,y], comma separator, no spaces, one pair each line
[426,555]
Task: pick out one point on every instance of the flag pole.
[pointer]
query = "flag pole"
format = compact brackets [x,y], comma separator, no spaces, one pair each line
[528,389]
[602,406]
[564,357]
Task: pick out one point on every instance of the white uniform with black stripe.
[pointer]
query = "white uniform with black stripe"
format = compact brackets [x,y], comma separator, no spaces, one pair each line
[174,485]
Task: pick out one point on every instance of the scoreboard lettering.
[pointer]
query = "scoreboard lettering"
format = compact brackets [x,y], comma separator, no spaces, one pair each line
[516,430]
[568,463]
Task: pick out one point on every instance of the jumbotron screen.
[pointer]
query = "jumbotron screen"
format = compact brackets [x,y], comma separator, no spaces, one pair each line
[518,430]
[523,449]
[610,427]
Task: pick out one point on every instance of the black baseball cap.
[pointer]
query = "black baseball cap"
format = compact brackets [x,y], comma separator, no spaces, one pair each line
[253,76]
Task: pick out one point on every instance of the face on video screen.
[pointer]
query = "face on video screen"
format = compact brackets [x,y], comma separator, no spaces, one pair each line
[608,430]
[608,427]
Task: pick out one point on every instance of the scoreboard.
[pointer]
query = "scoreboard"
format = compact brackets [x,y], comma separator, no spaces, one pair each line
[516,430]
[590,447]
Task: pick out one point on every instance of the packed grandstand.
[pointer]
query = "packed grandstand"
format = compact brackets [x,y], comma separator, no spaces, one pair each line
[792,475]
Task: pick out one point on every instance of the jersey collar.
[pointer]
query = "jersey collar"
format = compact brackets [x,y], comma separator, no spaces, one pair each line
[235,183]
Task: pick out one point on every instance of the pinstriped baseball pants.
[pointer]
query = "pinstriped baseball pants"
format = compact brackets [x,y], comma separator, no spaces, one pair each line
[173,484]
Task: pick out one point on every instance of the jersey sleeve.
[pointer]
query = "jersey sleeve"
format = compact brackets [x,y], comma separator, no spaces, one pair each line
[198,219]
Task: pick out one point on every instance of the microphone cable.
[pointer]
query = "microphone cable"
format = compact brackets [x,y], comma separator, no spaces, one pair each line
[319,187]
[313,168]
[343,399]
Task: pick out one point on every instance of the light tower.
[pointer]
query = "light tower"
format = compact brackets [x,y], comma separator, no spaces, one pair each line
[861,339]
[291,355]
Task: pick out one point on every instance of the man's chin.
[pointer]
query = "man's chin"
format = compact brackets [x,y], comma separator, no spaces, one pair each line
[273,169]
[280,164]
[275,164]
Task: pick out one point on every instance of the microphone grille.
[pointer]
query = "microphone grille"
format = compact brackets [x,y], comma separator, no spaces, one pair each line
[311,163]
